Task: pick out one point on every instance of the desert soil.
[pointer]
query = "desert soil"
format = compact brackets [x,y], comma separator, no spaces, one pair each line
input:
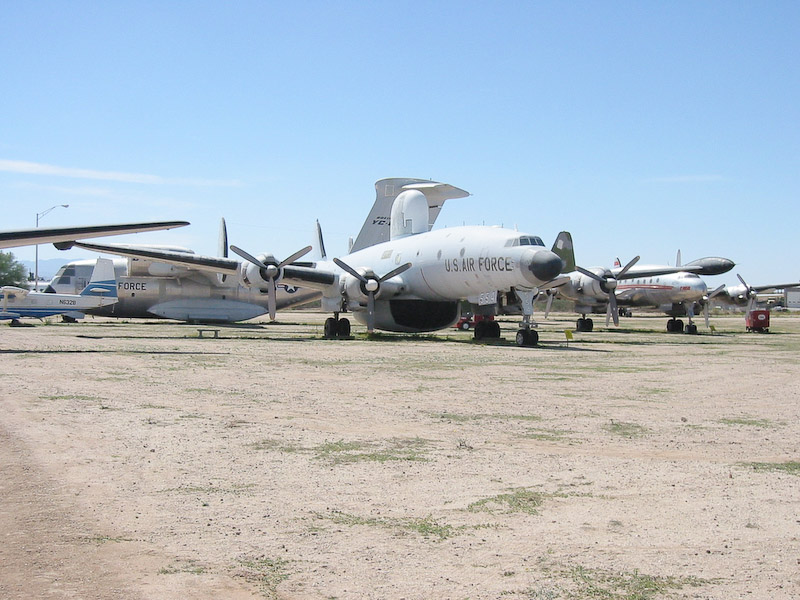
[139,461]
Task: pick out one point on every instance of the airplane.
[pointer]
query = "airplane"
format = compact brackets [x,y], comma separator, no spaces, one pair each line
[676,291]
[148,288]
[29,237]
[101,290]
[747,295]
[412,282]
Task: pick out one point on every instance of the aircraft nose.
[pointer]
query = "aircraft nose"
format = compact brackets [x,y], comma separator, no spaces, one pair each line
[543,265]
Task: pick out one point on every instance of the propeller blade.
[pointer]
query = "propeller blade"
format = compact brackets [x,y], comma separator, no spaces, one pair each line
[272,300]
[705,313]
[627,267]
[548,305]
[744,283]
[719,290]
[294,257]
[395,272]
[351,270]
[248,257]
[588,273]
[612,308]
[371,312]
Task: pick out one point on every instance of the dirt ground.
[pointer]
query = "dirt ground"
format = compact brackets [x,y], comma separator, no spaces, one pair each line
[139,461]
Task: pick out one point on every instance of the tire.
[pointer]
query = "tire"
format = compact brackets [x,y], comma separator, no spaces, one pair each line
[329,331]
[522,338]
[343,328]
[480,330]
[589,325]
[494,329]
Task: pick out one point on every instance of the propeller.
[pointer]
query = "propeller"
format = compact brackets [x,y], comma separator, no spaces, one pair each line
[707,300]
[751,293]
[371,285]
[609,282]
[270,271]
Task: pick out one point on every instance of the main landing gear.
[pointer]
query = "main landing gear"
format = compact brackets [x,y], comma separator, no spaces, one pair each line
[584,324]
[676,326]
[336,328]
[486,329]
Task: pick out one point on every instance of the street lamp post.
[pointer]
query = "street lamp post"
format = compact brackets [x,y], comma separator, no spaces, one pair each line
[36,267]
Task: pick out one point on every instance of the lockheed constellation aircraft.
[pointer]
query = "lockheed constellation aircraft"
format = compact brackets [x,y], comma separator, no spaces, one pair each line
[412,282]
[676,291]
[747,295]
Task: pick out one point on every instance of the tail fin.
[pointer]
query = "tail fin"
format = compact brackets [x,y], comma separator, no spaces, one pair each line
[376,226]
[321,254]
[103,281]
[222,246]
[563,248]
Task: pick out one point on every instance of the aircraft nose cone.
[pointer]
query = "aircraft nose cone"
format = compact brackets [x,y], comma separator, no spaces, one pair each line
[544,265]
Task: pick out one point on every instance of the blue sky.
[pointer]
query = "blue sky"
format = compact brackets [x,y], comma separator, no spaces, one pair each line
[641,127]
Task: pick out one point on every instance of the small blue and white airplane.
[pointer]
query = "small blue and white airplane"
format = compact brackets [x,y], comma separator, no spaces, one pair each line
[16,302]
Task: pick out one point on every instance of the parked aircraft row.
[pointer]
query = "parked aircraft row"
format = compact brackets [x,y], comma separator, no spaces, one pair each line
[399,275]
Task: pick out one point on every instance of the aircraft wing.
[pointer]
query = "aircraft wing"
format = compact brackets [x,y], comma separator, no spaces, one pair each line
[14,290]
[307,276]
[779,286]
[29,237]
[213,264]
[656,270]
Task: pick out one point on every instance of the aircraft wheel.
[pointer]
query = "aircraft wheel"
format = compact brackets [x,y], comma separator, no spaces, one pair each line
[494,329]
[329,331]
[691,329]
[589,325]
[480,330]
[679,326]
[579,324]
[522,338]
[343,328]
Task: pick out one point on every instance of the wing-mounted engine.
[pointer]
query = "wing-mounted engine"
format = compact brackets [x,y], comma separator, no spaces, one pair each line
[363,285]
[265,271]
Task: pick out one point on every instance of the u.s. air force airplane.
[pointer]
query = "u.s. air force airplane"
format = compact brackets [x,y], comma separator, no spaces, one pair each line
[101,290]
[676,291]
[148,289]
[413,281]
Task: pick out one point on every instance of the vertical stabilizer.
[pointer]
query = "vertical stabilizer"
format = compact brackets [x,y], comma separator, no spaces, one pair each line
[565,251]
[321,254]
[376,228]
[103,281]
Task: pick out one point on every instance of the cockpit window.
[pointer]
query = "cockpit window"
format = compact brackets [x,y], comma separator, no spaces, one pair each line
[526,240]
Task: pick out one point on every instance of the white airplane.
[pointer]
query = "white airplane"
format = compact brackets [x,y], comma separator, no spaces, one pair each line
[412,282]
[30,237]
[676,291]
[101,290]
[747,295]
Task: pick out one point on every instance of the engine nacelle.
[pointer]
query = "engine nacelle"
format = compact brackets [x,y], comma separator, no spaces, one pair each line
[356,292]
[251,275]
[591,287]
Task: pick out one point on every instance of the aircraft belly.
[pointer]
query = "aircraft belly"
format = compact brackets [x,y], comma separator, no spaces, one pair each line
[207,309]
